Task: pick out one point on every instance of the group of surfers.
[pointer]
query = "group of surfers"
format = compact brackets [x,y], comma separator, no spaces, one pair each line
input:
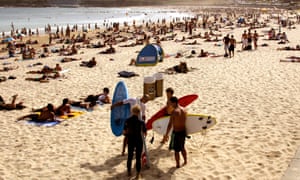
[135,129]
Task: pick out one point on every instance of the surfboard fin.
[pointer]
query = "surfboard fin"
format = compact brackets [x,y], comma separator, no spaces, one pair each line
[152,139]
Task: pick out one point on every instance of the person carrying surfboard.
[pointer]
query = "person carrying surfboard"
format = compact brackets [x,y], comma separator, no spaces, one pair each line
[169,107]
[133,128]
[133,101]
[177,122]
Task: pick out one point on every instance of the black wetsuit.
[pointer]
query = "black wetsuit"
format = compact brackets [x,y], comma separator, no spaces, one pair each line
[134,128]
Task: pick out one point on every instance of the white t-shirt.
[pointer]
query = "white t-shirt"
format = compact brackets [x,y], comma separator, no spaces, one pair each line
[101,98]
[136,101]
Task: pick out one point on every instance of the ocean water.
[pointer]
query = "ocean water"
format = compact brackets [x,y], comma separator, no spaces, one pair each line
[39,17]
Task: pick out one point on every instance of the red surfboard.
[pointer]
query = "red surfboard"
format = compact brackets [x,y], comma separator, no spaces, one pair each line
[183,101]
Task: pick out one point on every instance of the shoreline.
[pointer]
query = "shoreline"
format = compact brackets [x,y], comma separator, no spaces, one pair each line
[164,4]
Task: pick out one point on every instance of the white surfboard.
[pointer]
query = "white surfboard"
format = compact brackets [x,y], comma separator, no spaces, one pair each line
[194,123]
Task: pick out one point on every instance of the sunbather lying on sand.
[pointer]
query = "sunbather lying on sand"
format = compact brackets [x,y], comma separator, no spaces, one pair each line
[97,45]
[91,63]
[3,78]
[46,115]
[293,57]
[288,48]
[181,68]
[289,60]
[180,40]
[85,105]
[69,59]
[193,53]
[203,53]
[44,78]
[132,44]
[207,54]
[191,43]
[110,50]
[5,69]
[46,69]
[212,40]
[12,105]
[101,98]
[63,109]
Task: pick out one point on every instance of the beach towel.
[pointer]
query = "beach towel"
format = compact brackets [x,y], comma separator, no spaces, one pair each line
[44,124]
[127,74]
[71,115]
[58,120]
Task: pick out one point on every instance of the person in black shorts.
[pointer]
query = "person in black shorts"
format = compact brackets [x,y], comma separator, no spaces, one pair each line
[232,44]
[177,121]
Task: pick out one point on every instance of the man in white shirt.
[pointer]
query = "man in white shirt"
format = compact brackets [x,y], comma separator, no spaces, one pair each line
[135,101]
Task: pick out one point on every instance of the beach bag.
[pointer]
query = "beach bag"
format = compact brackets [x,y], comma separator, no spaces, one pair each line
[126,74]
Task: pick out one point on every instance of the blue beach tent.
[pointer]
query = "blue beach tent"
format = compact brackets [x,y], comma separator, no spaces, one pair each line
[150,55]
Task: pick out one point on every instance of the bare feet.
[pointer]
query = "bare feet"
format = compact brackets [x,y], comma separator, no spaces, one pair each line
[138,176]
[19,119]
[178,166]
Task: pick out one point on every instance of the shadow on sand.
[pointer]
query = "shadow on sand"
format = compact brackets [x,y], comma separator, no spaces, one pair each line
[154,172]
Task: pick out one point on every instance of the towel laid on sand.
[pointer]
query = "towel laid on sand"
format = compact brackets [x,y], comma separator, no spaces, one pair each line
[44,124]
[127,74]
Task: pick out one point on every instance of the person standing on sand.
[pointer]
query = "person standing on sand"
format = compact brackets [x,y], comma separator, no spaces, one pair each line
[226,44]
[255,39]
[169,108]
[232,44]
[134,129]
[177,142]
[244,40]
[133,101]
[249,37]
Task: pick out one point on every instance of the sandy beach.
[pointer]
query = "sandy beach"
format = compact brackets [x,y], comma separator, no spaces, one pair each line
[254,96]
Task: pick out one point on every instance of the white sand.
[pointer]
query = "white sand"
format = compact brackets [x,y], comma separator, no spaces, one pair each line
[255,98]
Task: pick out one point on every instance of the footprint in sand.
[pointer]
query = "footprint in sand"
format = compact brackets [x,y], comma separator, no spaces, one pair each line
[273,154]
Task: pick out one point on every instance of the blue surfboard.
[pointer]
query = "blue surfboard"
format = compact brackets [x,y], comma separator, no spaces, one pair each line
[119,114]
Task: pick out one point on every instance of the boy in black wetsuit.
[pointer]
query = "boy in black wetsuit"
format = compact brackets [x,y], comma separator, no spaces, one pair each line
[134,129]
